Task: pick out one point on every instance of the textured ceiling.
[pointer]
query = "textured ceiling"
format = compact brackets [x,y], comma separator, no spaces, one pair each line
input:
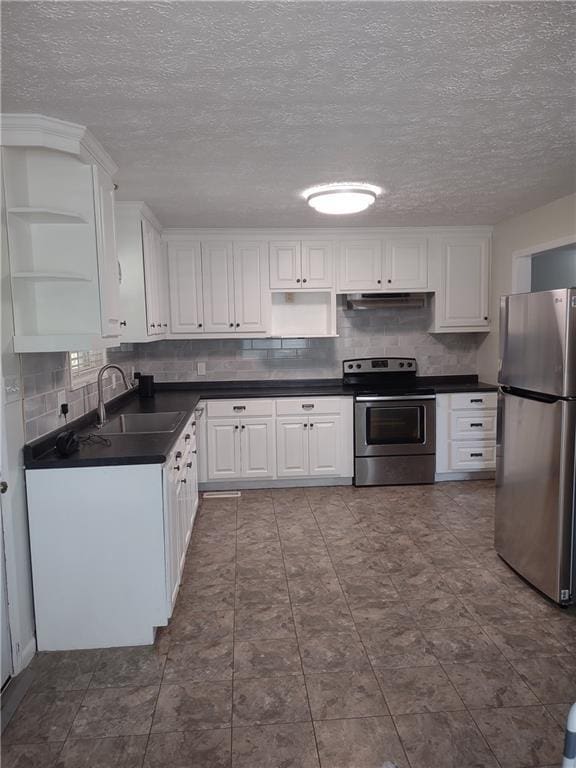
[219,113]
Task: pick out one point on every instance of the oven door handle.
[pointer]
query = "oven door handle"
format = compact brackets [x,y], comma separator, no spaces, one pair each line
[379,398]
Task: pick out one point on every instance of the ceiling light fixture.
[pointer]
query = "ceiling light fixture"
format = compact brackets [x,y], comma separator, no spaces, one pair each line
[341,198]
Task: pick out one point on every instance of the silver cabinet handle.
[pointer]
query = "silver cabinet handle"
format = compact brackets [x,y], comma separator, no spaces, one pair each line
[307,406]
[476,400]
[477,424]
[476,455]
[239,408]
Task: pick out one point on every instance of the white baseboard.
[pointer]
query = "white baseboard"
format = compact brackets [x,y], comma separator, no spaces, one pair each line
[26,655]
[263,484]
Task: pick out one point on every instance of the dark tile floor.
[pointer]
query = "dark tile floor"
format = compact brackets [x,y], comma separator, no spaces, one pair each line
[339,627]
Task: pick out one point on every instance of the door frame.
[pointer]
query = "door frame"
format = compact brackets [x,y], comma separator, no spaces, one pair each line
[522,262]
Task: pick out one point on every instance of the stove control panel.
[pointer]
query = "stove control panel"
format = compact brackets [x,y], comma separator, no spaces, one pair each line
[380,365]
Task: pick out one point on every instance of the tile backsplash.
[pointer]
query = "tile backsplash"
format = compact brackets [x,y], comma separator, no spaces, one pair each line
[371,333]
[46,374]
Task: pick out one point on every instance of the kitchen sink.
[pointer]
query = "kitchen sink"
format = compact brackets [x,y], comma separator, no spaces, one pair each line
[142,423]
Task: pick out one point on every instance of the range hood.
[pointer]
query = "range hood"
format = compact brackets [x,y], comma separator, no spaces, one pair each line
[385,300]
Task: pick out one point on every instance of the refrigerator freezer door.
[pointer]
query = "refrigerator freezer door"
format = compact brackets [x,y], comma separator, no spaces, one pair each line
[535,491]
[538,342]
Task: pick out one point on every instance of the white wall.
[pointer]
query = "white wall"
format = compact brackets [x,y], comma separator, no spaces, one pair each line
[13,502]
[531,229]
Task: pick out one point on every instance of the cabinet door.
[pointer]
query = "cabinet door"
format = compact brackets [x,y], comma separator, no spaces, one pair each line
[218,286]
[151,287]
[317,264]
[292,447]
[192,490]
[162,272]
[406,261]
[285,264]
[325,439]
[223,449]
[257,447]
[465,279]
[108,266]
[360,265]
[250,290]
[185,288]
[171,538]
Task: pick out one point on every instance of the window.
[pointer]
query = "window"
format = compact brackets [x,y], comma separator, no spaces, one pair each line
[84,367]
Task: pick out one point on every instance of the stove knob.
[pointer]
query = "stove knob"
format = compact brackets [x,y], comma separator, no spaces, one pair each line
[358,365]
[409,365]
[350,365]
[401,365]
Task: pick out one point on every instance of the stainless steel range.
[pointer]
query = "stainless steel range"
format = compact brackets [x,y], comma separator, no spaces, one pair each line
[394,422]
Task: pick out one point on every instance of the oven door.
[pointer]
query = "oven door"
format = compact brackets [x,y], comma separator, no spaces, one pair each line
[391,426]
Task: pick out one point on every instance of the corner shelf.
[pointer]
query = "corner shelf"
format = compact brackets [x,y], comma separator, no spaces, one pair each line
[72,276]
[47,216]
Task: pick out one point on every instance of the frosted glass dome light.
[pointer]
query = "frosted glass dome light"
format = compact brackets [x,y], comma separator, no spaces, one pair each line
[344,198]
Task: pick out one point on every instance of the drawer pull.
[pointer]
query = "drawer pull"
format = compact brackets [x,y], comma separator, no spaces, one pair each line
[186,437]
[239,408]
[307,406]
[189,465]
[477,424]
[178,455]
[177,467]
[184,480]
[476,455]
[476,399]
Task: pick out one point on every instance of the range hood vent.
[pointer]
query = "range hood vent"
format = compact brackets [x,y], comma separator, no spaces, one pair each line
[385,300]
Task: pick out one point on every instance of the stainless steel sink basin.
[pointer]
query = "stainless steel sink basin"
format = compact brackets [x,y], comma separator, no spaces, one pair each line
[142,423]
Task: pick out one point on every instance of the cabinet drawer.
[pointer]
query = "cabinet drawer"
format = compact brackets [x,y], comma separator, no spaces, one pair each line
[296,406]
[470,425]
[473,400]
[222,409]
[470,455]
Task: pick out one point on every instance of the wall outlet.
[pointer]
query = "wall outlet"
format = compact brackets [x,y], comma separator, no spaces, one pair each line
[201,369]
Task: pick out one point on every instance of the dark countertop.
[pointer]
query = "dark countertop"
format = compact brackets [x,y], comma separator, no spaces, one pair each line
[184,396]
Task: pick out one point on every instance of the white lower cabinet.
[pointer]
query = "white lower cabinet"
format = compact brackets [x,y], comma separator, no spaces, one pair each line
[240,448]
[289,438]
[108,546]
[309,446]
[292,446]
[324,445]
[465,433]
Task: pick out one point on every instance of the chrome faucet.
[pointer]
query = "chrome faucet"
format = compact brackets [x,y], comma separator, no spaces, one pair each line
[101,406]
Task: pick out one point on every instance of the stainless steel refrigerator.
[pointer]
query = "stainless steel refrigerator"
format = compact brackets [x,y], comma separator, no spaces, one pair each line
[535,475]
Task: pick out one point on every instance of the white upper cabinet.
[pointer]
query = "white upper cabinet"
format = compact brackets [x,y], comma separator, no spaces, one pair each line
[406,264]
[317,264]
[64,273]
[285,264]
[218,286]
[301,264]
[108,268]
[360,266]
[185,281]
[143,269]
[462,289]
[392,264]
[251,299]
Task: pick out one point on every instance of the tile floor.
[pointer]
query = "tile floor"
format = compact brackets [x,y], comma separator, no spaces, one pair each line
[339,627]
